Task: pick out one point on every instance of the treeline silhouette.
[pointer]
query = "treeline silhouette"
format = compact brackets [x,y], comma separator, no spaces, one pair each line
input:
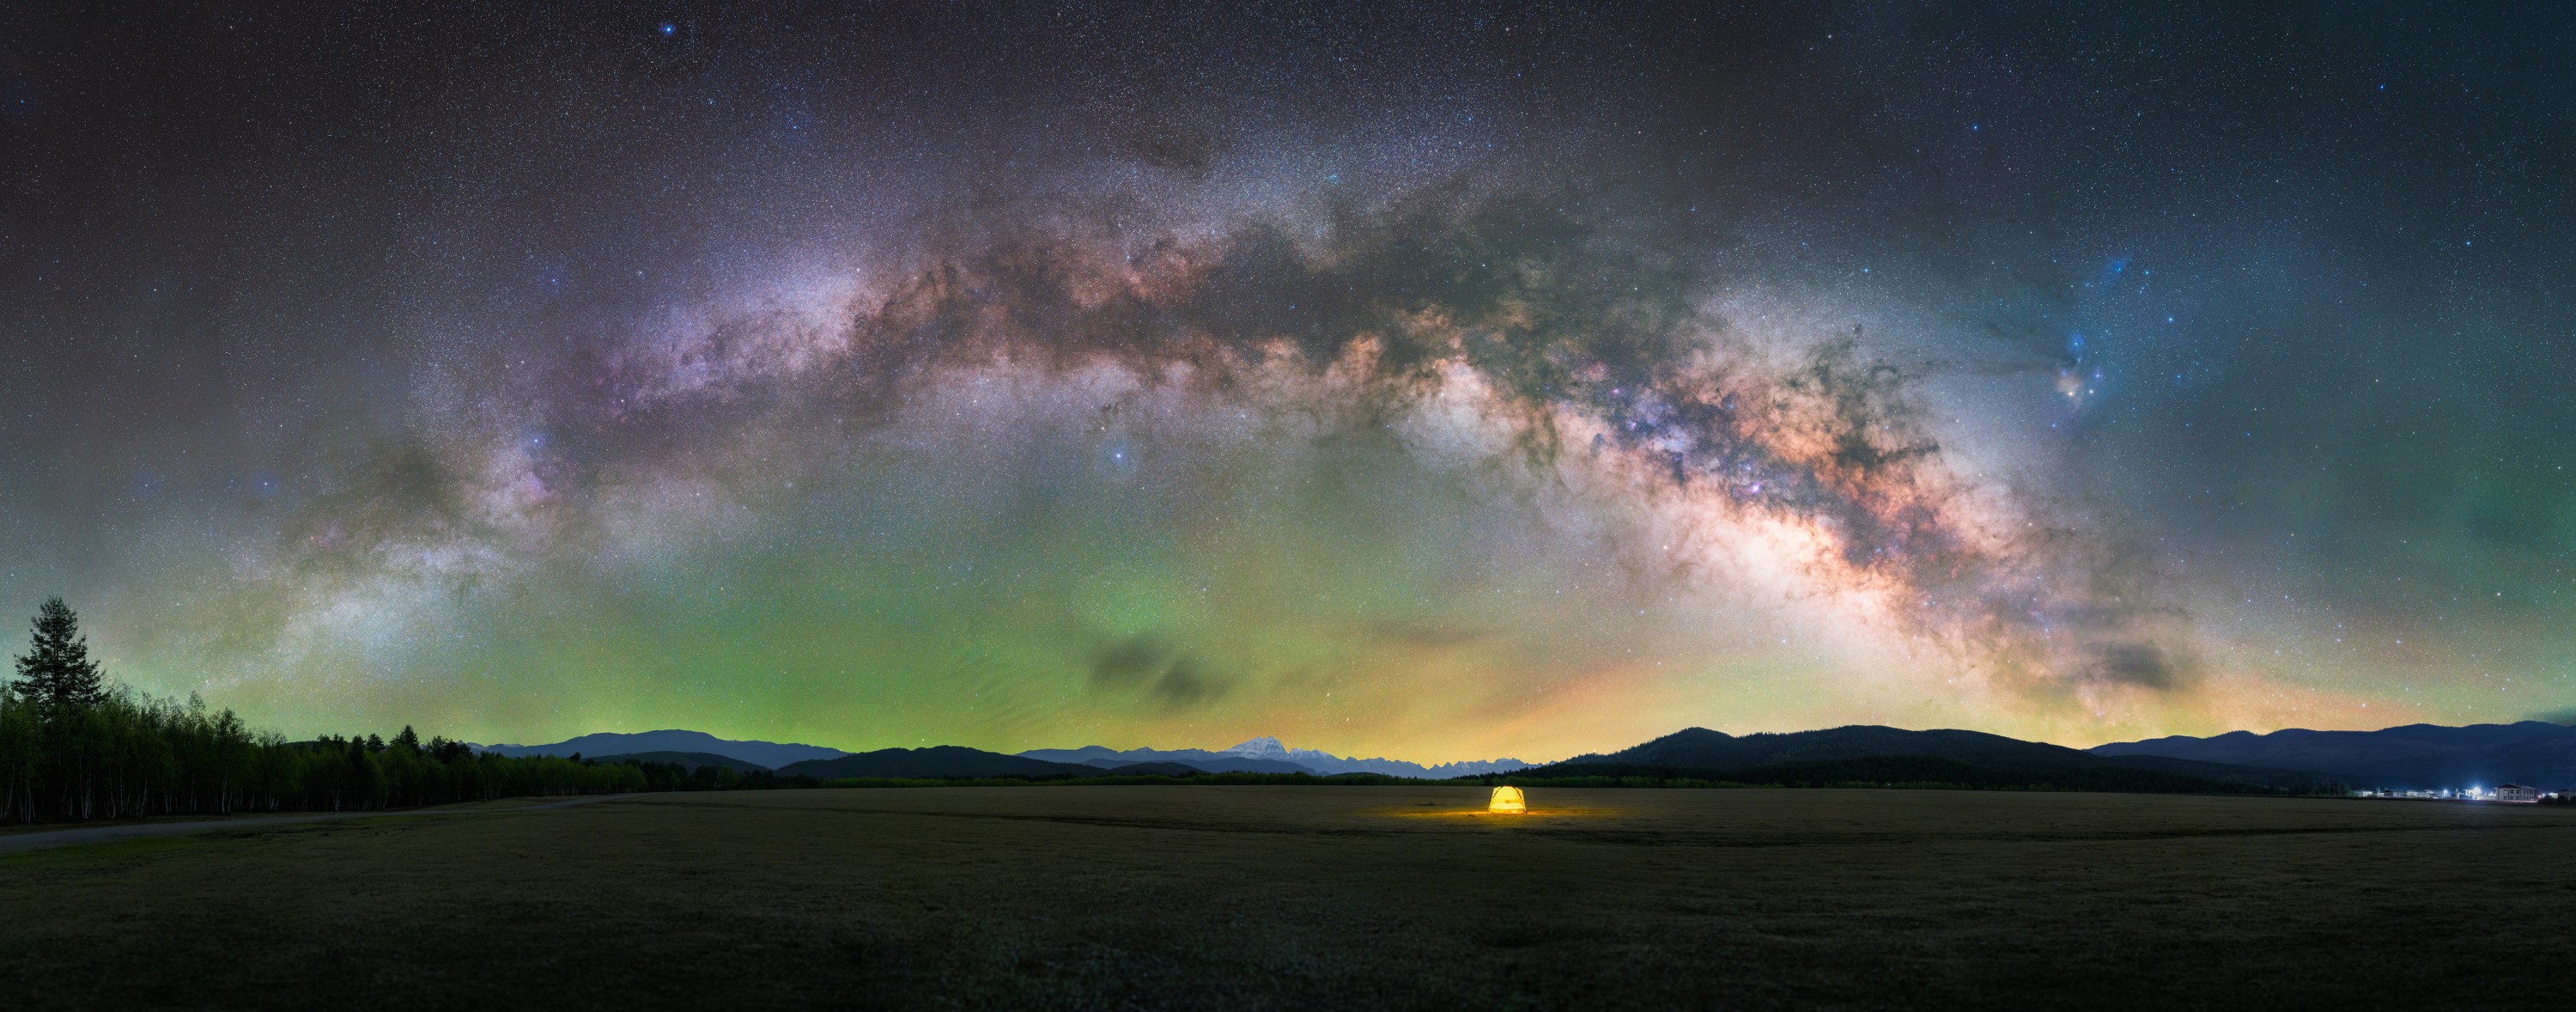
[74,746]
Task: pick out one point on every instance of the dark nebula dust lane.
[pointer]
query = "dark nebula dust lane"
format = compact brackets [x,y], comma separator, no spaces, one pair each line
[1436,382]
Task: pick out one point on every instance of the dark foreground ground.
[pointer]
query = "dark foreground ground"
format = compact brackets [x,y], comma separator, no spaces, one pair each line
[1320,898]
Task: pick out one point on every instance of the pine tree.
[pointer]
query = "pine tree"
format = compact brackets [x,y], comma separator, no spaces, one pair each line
[56,673]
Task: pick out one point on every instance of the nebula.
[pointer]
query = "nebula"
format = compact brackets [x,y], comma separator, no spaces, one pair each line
[1646,415]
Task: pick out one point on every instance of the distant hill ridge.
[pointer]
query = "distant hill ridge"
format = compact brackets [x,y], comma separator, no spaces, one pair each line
[1258,755]
[955,762]
[765,754]
[1872,753]
[688,760]
[2414,756]
[935,762]
[1270,755]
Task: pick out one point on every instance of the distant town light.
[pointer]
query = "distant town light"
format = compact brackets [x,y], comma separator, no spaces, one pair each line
[1508,799]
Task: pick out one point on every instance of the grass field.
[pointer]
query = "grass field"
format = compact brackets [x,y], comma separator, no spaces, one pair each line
[1321,897]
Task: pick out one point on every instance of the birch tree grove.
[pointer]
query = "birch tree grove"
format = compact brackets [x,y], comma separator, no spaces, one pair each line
[74,745]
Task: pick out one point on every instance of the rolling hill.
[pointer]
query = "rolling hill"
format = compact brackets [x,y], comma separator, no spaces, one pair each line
[1220,764]
[2415,756]
[1870,753]
[768,754]
[935,762]
[691,760]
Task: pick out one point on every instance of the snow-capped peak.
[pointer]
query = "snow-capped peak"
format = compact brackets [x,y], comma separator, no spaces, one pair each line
[1261,748]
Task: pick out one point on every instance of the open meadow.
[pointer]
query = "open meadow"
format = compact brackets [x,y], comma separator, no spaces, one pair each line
[1319,897]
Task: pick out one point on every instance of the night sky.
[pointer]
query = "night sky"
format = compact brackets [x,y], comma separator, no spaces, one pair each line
[1438,381]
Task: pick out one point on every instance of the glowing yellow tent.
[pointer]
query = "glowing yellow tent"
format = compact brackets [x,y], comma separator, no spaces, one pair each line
[1508,799]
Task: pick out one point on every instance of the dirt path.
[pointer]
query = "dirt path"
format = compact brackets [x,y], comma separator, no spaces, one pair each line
[19,842]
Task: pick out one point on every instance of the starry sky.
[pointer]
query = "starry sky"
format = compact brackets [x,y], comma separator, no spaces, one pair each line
[1436,381]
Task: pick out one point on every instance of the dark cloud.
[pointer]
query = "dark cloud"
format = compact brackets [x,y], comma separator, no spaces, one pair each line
[1185,683]
[2143,665]
[1171,676]
[1130,661]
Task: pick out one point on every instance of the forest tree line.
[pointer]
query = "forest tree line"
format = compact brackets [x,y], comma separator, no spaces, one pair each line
[74,745]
